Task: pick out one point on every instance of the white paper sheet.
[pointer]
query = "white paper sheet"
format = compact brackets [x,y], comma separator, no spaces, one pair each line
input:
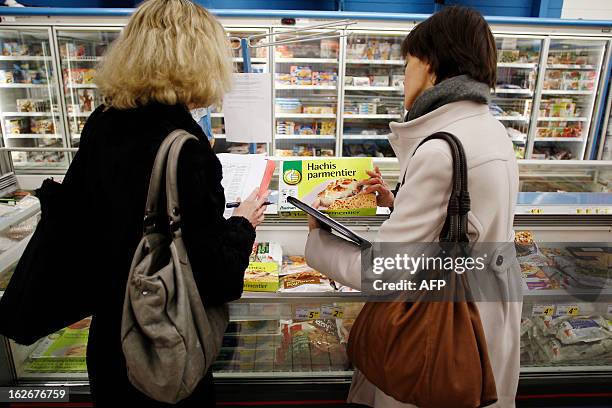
[242,173]
[247,109]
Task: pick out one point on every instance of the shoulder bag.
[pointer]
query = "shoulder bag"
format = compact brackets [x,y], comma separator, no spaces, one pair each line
[429,353]
[169,338]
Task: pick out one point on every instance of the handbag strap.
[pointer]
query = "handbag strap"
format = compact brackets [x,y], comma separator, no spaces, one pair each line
[152,208]
[172,198]
[455,226]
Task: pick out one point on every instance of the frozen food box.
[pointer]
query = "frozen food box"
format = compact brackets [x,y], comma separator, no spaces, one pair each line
[262,274]
[331,184]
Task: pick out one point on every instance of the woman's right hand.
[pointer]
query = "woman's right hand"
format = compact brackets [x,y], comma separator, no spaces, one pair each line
[384,195]
[252,208]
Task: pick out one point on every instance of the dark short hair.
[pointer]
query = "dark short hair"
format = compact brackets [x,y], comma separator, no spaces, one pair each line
[455,41]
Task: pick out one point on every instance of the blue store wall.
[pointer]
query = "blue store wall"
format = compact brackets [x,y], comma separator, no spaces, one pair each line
[514,8]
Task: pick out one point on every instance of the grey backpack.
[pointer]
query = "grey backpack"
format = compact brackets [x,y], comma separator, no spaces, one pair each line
[169,338]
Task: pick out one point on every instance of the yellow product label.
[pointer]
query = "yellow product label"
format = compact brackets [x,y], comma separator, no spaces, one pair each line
[331,184]
[261,277]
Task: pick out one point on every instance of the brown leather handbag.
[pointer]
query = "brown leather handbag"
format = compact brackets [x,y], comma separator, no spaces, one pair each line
[431,354]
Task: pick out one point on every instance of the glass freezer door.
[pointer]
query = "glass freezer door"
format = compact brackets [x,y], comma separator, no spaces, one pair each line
[374,89]
[511,103]
[306,97]
[569,92]
[29,98]
[80,51]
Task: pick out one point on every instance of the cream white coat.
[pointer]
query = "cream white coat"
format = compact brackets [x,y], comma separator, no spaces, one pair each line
[420,211]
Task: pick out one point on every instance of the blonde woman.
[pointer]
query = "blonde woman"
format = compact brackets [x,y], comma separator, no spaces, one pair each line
[172,55]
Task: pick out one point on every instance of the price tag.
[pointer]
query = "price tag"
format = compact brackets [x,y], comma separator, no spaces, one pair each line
[536,211]
[568,310]
[307,313]
[332,312]
[543,310]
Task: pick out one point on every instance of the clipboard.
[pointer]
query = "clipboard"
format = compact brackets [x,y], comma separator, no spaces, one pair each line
[330,224]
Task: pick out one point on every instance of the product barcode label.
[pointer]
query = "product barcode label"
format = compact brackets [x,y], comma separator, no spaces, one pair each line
[568,310]
[307,313]
[332,312]
[543,310]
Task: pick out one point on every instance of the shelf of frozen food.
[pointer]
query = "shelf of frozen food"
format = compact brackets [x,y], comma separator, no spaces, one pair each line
[76,135]
[306,60]
[364,137]
[565,203]
[32,136]
[81,59]
[306,87]
[305,137]
[512,118]
[306,115]
[571,66]
[81,86]
[374,62]
[253,60]
[304,297]
[24,85]
[373,88]
[520,65]
[24,58]
[371,116]
[80,114]
[566,119]
[24,114]
[566,92]
[559,139]
[513,91]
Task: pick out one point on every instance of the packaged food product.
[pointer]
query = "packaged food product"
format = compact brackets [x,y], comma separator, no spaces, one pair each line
[6,77]
[380,80]
[328,127]
[262,274]
[297,276]
[86,100]
[42,126]
[361,81]
[301,75]
[330,183]
[329,48]
[397,81]
[283,79]
[583,329]
[17,126]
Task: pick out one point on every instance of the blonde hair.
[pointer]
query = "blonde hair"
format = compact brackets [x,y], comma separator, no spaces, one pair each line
[171,52]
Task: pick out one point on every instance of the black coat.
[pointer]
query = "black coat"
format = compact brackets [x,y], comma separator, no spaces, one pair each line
[110,175]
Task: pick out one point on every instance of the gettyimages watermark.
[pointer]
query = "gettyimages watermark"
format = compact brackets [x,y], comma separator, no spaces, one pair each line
[485,272]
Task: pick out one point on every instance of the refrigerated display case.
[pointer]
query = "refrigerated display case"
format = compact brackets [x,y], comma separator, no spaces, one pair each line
[80,51]
[307,83]
[373,92]
[295,336]
[518,59]
[29,97]
[331,96]
[568,96]
[260,64]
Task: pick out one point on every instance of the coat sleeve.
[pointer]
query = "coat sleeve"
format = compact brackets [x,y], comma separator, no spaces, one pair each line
[419,214]
[218,249]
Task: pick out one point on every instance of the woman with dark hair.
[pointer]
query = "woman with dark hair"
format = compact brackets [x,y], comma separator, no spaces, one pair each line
[450,69]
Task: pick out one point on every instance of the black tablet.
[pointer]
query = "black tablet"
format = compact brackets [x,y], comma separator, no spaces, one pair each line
[330,223]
